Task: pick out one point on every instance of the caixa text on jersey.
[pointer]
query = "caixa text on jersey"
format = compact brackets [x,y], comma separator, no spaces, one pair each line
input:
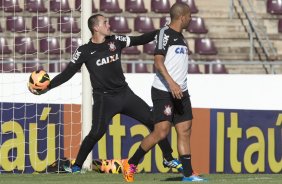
[107,60]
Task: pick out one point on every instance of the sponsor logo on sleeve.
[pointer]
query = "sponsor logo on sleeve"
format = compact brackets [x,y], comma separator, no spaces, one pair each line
[165,40]
[120,38]
[75,56]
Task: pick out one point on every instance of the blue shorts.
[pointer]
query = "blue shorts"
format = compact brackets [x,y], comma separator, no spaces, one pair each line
[166,108]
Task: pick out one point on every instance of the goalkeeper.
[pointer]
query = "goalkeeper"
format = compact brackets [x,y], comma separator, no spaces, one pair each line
[111,93]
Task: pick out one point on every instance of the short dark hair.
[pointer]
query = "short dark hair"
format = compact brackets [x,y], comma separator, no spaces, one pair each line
[93,20]
[178,9]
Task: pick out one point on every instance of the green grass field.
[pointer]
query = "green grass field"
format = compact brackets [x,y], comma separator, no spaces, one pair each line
[91,178]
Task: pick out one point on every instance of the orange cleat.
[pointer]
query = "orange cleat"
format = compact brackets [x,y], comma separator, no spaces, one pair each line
[128,171]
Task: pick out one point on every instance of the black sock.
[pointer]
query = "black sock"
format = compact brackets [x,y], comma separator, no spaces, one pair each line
[87,145]
[186,164]
[168,156]
[166,149]
[138,155]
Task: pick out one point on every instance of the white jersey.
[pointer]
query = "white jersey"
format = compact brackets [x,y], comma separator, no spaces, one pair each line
[173,46]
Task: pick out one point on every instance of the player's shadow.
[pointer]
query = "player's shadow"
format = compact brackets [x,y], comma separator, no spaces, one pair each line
[173,179]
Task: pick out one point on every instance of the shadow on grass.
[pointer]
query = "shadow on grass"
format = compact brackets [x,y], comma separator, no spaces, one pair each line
[173,179]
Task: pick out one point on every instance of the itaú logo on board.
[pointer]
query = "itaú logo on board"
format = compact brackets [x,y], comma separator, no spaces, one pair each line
[27,146]
[247,141]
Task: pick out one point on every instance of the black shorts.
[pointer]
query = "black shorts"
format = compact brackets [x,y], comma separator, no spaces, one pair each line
[107,105]
[166,108]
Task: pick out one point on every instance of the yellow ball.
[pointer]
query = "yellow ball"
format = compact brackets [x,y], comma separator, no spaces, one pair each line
[37,77]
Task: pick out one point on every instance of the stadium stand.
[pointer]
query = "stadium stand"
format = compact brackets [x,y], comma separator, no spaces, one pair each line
[35,6]
[42,24]
[71,44]
[119,24]
[197,26]
[149,48]
[274,6]
[164,21]
[280,26]
[135,6]
[24,45]
[52,67]
[67,24]
[132,53]
[16,24]
[193,68]
[211,20]
[133,50]
[139,68]
[32,66]
[78,6]
[62,66]
[191,4]
[217,68]
[205,46]
[158,6]
[11,6]
[50,45]
[143,24]
[4,48]
[271,21]
[60,6]
[57,66]
[230,36]
[8,67]
[110,6]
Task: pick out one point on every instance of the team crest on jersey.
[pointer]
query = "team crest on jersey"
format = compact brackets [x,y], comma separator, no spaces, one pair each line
[112,46]
[167,110]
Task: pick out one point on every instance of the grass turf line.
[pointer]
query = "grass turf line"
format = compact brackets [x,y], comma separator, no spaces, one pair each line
[141,178]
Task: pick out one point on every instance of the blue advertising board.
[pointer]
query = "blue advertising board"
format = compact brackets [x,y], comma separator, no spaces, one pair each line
[238,141]
[31,136]
[246,141]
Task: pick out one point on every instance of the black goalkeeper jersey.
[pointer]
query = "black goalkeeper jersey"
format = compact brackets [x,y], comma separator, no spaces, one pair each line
[103,62]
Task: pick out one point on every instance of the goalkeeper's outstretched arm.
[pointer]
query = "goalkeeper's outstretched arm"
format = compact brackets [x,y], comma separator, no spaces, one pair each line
[73,66]
[61,78]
